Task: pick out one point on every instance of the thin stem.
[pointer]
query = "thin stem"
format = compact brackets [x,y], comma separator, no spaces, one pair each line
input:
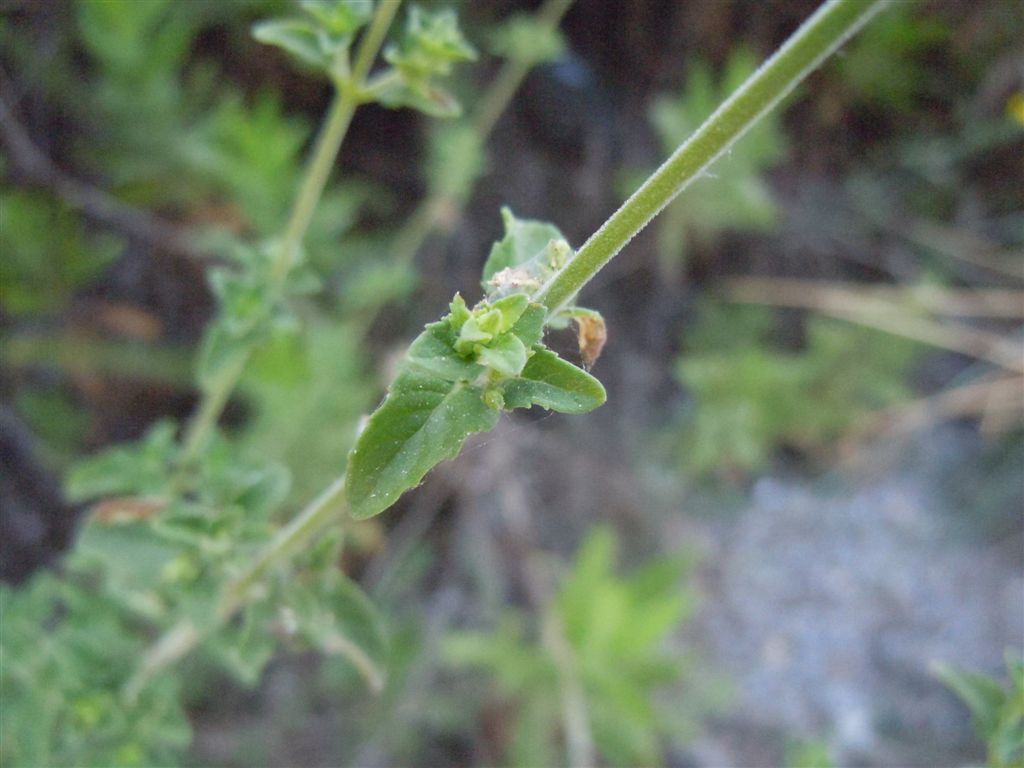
[179,641]
[579,741]
[321,163]
[183,637]
[832,24]
[439,211]
[322,510]
[504,87]
[347,97]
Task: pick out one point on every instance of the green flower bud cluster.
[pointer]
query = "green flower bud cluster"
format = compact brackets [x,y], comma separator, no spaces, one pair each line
[485,333]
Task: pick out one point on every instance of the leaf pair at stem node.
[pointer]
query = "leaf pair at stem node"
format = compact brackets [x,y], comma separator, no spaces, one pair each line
[464,370]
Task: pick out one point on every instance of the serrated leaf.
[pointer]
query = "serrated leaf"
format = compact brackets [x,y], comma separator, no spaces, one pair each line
[296,36]
[430,409]
[555,384]
[431,45]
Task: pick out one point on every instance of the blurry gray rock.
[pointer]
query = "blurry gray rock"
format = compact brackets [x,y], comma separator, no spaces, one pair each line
[827,606]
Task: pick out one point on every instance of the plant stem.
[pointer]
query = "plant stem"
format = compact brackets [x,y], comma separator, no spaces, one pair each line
[323,509]
[346,99]
[179,641]
[832,24]
[183,637]
[511,76]
[579,741]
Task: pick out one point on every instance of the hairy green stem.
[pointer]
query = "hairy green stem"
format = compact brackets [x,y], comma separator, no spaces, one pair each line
[347,98]
[832,24]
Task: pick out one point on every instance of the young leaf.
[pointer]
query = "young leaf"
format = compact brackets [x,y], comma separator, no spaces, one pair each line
[555,384]
[524,240]
[296,36]
[507,355]
[321,39]
[430,409]
[982,695]
[340,18]
[528,40]
[140,468]
[431,45]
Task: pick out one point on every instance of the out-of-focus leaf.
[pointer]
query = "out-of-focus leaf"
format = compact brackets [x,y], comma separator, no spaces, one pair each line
[432,43]
[527,39]
[140,468]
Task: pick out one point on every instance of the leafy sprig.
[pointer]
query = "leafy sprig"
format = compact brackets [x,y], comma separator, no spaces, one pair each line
[431,45]
[463,371]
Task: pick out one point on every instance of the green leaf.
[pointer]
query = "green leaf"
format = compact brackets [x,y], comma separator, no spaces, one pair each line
[528,40]
[340,18]
[431,45]
[322,40]
[507,355]
[524,241]
[456,382]
[530,325]
[430,409]
[982,695]
[296,36]
[555,384]
[245,299]
[140,468]
[340,619]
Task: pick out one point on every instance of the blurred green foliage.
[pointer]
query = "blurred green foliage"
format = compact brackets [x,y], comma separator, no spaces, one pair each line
[158,122]
[734,196]
[617,629]
[750,397]
[307,393]
[808,754]
[997,709]
[48,254]
[59,685]
[888,65]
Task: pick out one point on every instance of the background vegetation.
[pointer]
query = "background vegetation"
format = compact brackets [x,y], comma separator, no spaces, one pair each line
[798,513]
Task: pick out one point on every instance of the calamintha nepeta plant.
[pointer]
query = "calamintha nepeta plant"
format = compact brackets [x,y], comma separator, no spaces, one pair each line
[458,376]
[214,575]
